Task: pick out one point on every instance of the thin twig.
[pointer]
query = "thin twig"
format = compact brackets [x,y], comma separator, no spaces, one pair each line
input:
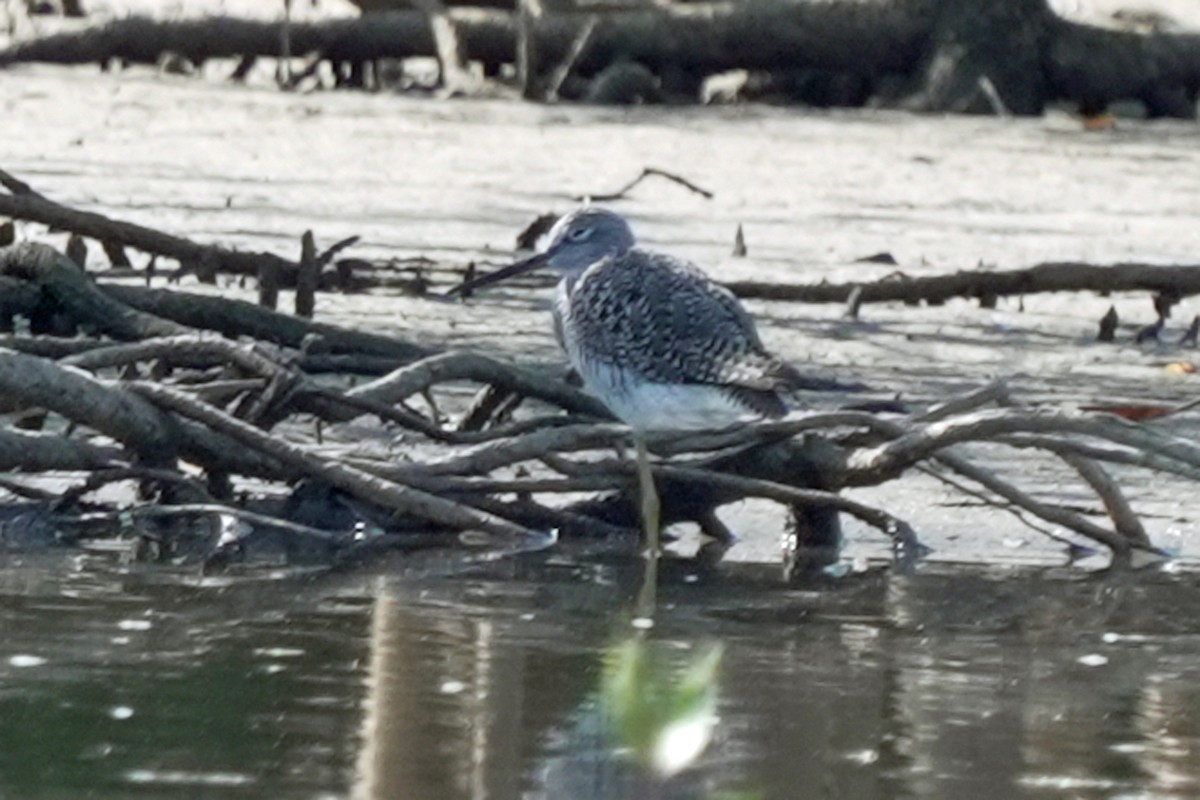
[328,253]
[1050,513]
[27,492]
[1005,506]
[758,432]
[407,418]
[646,173]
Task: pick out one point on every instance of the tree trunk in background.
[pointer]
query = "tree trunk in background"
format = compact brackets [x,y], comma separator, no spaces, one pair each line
[1094,66]
[983,53]
[933,55]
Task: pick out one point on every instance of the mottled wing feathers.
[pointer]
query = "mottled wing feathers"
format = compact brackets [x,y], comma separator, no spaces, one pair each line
[664,320]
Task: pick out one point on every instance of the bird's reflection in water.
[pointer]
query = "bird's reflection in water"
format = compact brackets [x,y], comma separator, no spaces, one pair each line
[988,684]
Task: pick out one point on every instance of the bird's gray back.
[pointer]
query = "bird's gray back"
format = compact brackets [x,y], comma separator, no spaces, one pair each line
[663,320]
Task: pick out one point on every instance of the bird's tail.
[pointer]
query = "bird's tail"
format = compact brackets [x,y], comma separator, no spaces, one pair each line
[788,380]
[769,373]
[792,382]
[769,386]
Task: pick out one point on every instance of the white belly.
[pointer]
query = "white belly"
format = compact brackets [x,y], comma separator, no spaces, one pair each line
[661,406]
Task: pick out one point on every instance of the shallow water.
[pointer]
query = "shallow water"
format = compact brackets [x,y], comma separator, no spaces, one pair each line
[443,681]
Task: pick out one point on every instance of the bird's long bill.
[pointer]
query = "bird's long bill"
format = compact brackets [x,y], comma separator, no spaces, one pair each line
[518,268]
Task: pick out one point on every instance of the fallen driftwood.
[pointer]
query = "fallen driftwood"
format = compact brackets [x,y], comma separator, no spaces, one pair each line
[356,351]
[486,36]
[955,55]
[54,284]
[987,285]
[143,396]
[203,260]
[150,387]
[24,203]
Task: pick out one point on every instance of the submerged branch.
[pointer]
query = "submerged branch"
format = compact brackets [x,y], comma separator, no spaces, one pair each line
[903,536]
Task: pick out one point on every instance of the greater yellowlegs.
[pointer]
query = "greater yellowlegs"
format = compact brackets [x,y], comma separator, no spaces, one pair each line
[659,343]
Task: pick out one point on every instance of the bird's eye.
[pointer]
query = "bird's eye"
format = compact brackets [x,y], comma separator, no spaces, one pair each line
[579,234]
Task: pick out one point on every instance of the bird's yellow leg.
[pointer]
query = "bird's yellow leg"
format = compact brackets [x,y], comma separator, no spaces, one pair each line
[651,518]
[650,507]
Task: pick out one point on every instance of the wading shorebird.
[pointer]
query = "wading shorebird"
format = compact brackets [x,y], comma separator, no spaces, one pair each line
[655,339]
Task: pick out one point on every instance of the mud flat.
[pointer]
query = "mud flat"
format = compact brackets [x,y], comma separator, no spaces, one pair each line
[455,181]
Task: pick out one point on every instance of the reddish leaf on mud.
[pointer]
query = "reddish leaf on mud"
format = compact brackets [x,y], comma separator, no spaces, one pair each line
[1134,413]
[1099,122]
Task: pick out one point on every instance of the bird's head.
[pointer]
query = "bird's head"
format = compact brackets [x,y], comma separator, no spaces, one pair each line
[584,237]
[577,241]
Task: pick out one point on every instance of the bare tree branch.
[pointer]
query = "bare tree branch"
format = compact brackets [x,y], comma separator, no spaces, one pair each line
[1119,511]
[43,452]
[869,465]
[461,365]
[88,306]
[30,205]
[389,494]
[1048,277]
[1128,456]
